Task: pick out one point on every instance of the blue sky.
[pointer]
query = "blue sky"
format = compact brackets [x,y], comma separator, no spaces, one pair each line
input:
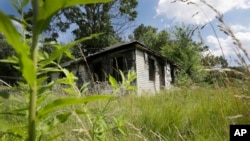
[165,15]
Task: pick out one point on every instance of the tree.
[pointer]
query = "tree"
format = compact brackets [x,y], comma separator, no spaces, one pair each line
[150,37]
[214,61]
[110,19]
[185,52]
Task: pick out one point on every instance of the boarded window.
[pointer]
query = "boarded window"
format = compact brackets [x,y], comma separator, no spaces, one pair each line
[118,64]
[151,68]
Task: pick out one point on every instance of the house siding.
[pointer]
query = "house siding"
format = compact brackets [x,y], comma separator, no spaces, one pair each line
[144,85]
[167,76]
[83,75]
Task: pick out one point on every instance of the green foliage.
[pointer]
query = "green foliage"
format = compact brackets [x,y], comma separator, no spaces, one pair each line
[150,37]
[186,53]
[47,11]
[111,19]
[126,84]
[215,61]
[179,47]
[113,82]
[64,102]
[204,114]
[34,64]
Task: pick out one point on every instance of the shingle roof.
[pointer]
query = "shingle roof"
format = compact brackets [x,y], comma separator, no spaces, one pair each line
[115,47]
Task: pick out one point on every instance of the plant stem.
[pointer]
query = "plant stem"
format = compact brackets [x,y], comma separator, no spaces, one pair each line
[34,88]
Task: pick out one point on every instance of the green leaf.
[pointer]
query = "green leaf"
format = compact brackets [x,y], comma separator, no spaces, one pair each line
[11,59]
[113,82]
[122,75]
[70,90]
[62,81]
[48,70]
[70,76]
[84,87]
[48,10]
[64,102]
[68,54]
[28,70]
[68,79]
[61,49]
[13,37]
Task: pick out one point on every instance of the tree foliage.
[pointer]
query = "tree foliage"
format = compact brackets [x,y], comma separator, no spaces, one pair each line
[187,53]
[110,19]
[177,46]
[150,37]
[214,61]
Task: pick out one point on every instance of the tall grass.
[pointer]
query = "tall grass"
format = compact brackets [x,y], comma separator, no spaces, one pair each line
[185,114]
[199,113]
[178,114]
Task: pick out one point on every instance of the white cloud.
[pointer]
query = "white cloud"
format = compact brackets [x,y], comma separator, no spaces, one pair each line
[17,25]
[199,13]
[20,28]
[241,32]
[238,28]
[182,12]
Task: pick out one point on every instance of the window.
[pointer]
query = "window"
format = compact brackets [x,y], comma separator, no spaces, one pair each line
[151,68]
[97,71]
[172,72]
[117,65]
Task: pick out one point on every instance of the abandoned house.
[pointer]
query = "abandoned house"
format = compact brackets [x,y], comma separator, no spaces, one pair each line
[154,72]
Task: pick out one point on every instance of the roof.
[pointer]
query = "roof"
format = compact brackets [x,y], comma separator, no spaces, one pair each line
[117,47]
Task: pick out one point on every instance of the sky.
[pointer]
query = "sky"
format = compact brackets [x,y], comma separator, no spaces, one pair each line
[165,14]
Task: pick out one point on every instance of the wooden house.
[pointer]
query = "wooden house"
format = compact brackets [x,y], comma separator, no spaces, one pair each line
[154,71]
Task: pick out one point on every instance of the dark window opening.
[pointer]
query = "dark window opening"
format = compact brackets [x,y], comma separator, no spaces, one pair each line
[62,75]
[97,71]
[162,75]
[172,73]
[118,64]
[49,79]
[151,68]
